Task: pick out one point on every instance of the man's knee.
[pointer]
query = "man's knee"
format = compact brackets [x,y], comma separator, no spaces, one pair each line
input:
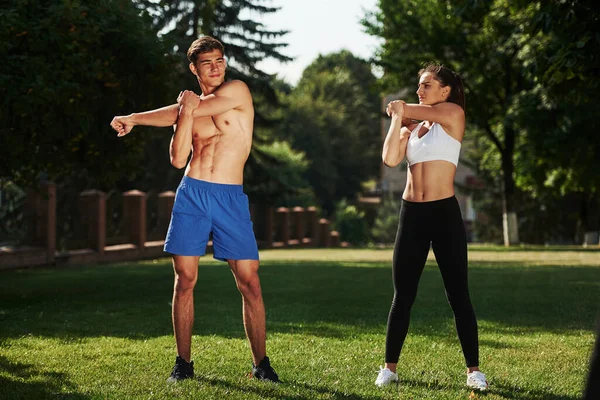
[249,285]
[185,280]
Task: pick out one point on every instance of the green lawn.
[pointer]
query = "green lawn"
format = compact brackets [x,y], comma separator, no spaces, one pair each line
[104,331]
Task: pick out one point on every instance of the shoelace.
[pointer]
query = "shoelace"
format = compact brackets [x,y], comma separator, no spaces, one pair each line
[178,370]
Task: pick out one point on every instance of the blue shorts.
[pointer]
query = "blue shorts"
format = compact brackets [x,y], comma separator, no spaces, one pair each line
[203,207]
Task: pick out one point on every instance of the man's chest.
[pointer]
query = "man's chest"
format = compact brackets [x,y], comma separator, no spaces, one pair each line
[207,127]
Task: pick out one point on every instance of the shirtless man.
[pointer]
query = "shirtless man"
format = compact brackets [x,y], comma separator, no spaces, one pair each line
[217,128]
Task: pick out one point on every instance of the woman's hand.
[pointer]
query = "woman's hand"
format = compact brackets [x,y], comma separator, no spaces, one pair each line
[395,108]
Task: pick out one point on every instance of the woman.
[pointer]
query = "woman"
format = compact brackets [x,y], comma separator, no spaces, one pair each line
[430,212]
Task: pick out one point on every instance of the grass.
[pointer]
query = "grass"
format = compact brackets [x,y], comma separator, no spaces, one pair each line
[104,331]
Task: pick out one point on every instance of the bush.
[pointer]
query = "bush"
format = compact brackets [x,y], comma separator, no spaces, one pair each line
[386,222]
[351,224]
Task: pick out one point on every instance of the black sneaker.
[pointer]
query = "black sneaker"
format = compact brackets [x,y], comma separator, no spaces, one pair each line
[264,371]
[182,370]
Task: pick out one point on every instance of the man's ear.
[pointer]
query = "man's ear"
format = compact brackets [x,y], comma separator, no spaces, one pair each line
[193,69]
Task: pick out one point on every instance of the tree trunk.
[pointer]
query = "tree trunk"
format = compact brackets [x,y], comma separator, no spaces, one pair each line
[588,215]
[510,226]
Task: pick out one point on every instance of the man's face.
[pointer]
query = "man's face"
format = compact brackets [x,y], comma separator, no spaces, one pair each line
[431,91]
[210,68]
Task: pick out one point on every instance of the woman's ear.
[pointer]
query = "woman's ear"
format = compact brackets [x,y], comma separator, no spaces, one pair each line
[446,91]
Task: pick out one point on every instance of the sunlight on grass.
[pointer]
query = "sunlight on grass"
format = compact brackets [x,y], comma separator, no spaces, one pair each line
[104,331]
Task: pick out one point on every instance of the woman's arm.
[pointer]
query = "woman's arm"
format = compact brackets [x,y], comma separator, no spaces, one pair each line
[451,116]
[394,146]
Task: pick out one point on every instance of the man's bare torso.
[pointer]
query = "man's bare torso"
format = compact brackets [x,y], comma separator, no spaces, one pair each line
[221,145]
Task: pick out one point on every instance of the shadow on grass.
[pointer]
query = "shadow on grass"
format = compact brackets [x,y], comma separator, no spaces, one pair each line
[26,382]
[533,248]
[266,389]
[327,299]
[510,391]
[498,387]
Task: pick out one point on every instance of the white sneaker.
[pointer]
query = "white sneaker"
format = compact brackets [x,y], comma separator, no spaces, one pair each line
[476,380]
[385,377]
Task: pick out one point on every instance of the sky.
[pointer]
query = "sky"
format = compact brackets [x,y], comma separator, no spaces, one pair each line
[317,27]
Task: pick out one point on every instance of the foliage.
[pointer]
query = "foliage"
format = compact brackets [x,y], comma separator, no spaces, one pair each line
[385,225]
[563,153]
[332,116]
[285,184]
[69,66]
[13,226]
[528,100]
[481,41]
[246,42]
[350,222]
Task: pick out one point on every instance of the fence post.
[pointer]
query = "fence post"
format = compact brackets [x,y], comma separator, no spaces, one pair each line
[165,207]
[334,239]
[324,232]
[313,225]
[92,208]
[269,227]
[42,208]
[134,216]
[299,225]
[283,216]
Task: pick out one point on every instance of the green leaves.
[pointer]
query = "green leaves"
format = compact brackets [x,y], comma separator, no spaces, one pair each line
[69,68]
[333,117]
[530,70]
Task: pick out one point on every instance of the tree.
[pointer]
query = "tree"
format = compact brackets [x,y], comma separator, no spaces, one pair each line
[332,116]
[563,145]
[385,225]
[246,42]
[68,67]
[497,51]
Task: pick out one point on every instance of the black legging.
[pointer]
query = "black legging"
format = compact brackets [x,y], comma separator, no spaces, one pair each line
[440,224]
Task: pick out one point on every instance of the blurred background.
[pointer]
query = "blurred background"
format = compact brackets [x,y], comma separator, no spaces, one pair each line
[320,74]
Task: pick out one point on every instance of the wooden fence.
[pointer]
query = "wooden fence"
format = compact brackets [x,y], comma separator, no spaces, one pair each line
[274,228]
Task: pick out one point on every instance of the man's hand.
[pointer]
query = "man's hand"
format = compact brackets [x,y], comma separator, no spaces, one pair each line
[188,101]
[395,108]
[122,124]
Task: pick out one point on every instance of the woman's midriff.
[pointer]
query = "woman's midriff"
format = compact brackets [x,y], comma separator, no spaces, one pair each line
[430,181]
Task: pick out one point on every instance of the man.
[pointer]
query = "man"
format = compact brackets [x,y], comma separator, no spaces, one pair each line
[217,128]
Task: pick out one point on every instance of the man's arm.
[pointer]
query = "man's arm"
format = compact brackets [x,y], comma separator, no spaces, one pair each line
[165,116]
[230,95]
[181,143]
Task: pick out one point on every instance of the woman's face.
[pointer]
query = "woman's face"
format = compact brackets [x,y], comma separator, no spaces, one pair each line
[431,91]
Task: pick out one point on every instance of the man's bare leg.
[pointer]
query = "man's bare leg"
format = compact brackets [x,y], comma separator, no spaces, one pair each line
[186,275]
[253,309]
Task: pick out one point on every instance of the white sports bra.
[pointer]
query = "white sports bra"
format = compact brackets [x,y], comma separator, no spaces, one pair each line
[434,145]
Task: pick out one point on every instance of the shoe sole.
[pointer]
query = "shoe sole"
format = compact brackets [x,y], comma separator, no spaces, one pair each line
[387,383]
[478,388]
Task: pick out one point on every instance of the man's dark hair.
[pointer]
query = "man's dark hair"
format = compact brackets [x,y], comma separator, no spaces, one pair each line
[203,45]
